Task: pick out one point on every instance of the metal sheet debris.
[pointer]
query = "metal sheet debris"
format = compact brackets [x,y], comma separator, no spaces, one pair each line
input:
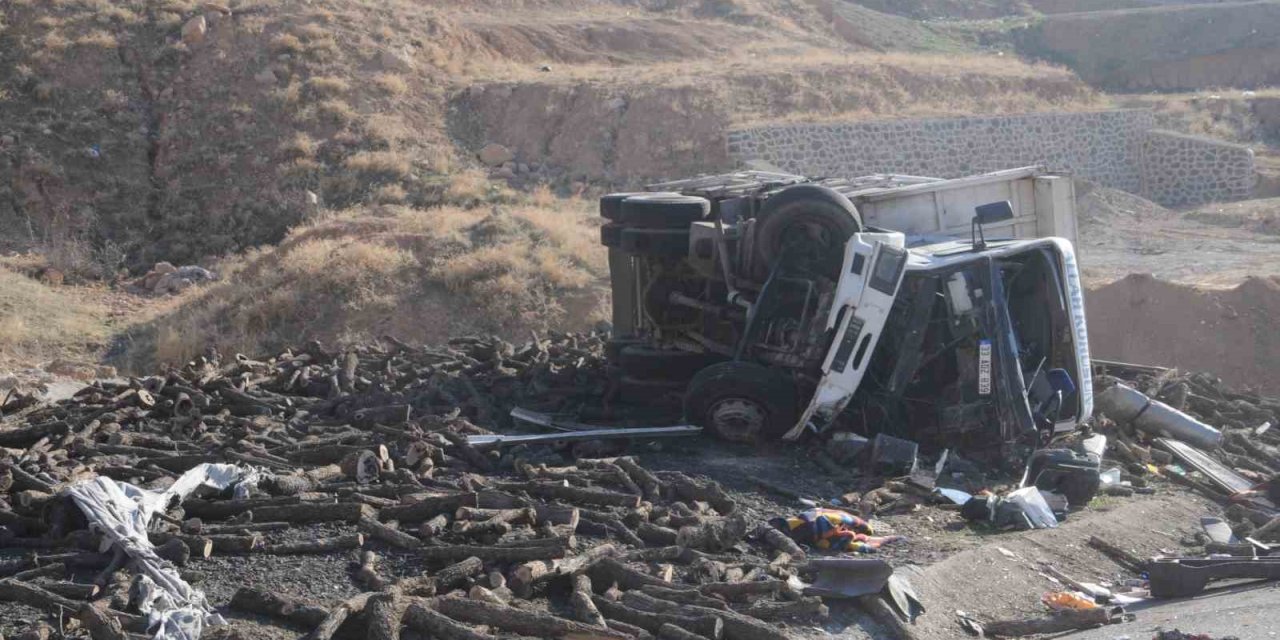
[578,436]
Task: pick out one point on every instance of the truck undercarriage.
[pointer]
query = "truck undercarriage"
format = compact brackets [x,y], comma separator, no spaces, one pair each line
[752,293]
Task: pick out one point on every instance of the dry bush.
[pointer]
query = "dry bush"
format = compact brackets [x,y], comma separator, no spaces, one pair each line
[391,83]
[390,194]
[380,164]
[98,39]
[336,112]
[286,43]
[327,87]
[300,146]
[311,32]
[467,187]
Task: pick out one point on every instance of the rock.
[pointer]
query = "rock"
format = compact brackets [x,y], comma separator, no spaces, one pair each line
[266,76]
[193,32]
[495,155]
[164,267]
[617,104]
[504,173]
[52,276]
[216,8]
[104,371]
[6,141]
[522,168]
[313,199]
[8,381]
[171,283]
[196,274]
[399,61]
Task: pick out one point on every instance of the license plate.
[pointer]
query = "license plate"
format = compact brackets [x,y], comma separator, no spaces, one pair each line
[984,367]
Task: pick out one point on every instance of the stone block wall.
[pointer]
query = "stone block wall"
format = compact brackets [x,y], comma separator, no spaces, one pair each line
[1180,169]
[1110,148]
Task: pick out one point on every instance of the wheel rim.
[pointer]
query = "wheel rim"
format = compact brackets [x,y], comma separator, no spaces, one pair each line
[737,419]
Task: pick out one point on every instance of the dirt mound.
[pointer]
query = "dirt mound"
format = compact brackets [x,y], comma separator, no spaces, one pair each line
[1234,333]
[1098,207]
[1164,48]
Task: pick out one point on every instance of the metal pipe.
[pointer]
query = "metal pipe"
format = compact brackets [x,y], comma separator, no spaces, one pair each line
[1126,404]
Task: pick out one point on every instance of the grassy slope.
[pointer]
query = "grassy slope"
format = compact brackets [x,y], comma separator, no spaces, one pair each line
[39,322]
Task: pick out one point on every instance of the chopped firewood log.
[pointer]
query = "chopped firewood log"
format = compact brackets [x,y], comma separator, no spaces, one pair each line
[670,631]
[525,576]
[685,596]
[779,540]
[367,574]
[715,535]
[539,624]
[706,626]
[810,607]
[1057,622]
[630,629]
[578,495]
[654,534]
[382,614]
[444,580]
[434,624]
[349,512]
[204,546]
[433,527]
[363,466]
[428,507]
[73,590]
[736,625]
[338,615]
[583,608]
[686,488]
[609,571]
[322,545]
[269,603]
[100,624]
[479,592]
[495,553]
[388,534]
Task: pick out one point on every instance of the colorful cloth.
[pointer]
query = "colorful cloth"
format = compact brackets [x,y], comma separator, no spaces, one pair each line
[831,530]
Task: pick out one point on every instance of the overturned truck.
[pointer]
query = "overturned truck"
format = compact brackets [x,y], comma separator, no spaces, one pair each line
[947,312]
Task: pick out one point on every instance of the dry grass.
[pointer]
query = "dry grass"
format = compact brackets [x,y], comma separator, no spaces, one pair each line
[327,86]
[300,146]
[391,83]
[286,43]
[418,274]
[39,321]
[380,164]
[336,112]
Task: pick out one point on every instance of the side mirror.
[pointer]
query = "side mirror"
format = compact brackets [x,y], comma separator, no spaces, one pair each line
[987,214]
[994,212]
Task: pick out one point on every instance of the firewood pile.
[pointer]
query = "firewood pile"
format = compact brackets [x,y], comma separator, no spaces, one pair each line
[515,541]
[1250,444]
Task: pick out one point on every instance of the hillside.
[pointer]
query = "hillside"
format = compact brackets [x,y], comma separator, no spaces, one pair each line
[139,131]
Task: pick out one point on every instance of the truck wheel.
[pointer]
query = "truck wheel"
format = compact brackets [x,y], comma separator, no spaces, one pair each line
[655,242]
[818,219]
[664,210]
[611,234]
[611,204]
[649,363]
[741,402]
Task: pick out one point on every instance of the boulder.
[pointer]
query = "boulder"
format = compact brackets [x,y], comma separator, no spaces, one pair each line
[397,60]
[193,32]
[266,76]
[495,155]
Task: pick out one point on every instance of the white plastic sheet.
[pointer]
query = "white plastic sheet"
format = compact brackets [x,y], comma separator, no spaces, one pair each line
[122,511]
[1034,507]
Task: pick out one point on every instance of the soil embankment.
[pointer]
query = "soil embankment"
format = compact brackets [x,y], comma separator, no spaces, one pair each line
[1234,333]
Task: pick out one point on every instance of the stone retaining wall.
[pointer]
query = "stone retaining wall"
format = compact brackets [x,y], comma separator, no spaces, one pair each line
[1180,169]
[1117,149]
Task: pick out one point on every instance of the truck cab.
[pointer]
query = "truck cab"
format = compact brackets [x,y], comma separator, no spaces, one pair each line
[775,311]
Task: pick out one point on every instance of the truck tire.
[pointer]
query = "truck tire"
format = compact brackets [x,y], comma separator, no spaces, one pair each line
[649,363]
[663,210]
[655,242]
[818,218]
[611,204]
[611,234]
[741,402]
